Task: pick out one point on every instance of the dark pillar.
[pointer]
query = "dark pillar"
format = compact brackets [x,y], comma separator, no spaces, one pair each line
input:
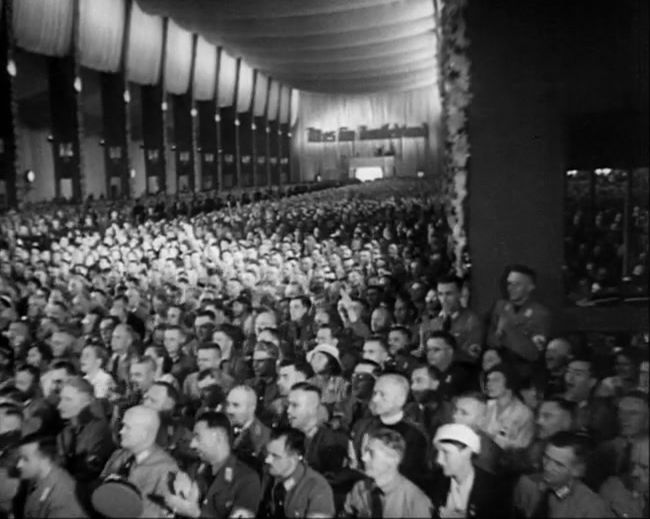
[207,144]
[227,136]
[285,153]
[183,142]
[261,152]
[153,122]
[517,168]
[246,148]
[64,110]
[114,123]
[7,130]
[274,152]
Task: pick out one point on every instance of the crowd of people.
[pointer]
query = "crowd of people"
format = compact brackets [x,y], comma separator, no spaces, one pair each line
[310,356]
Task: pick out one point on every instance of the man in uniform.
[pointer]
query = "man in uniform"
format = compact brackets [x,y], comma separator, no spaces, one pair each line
[265,357]
[460,322]
[85,443]
[251,435]
[208,357]
[520,325]
[291,371]
[558,491]
[385,493]
[51,491]
[224,487]
[141,461]
[292,488]
[325,449]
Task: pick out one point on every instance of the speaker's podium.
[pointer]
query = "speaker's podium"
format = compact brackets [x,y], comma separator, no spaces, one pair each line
[371,168]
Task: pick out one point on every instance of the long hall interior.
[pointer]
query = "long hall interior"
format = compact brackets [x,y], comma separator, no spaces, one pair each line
[343,258]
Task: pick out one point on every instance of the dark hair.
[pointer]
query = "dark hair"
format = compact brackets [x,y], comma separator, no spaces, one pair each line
[308,387]
[32,370]
[210,346]
[171,391]
[586,358]
[44,349]
[206,313]
[564,404]
[304,300]
[100,352]
[522,269]
[215,420]
[450,280]
[10,409]
[474,395]
[447,337]
[294,440]
[82,385]
[379,339]
[376,368]
[402,329]
[46,444]
[392,439]
[299,365]
[64,364]
[432,371]
[510,376]
[579,443]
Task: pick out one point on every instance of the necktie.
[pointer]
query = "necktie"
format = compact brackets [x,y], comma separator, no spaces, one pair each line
[279,495]
[376,505]
[446,324]
[626,454]
[125,470]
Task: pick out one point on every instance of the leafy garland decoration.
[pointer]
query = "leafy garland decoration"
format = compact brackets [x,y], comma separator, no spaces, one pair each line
[455,97]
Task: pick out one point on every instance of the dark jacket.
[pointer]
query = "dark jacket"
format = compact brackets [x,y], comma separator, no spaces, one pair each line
[487,498]
[85,447]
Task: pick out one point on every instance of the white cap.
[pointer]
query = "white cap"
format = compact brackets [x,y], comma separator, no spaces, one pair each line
[325,348]
[459,433]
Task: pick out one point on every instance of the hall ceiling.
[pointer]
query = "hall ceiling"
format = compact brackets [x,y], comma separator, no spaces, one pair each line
[334,46]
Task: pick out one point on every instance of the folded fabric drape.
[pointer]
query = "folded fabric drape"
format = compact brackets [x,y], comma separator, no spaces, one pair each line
[274,99]
[44,27]
[245,88]
[144,55]
[227,76]
[285,104]
[205,70]
[101,31]
[178,59]
[260,95]
[339,46]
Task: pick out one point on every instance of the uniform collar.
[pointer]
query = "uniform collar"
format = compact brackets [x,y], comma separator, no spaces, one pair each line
[297,475]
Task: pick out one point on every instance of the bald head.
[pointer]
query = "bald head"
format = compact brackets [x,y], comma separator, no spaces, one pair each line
[139,429]
[240,405]
[389,395]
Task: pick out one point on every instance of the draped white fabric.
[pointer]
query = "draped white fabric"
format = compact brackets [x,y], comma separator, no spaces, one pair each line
[354,46]
[285,104]
[227,75]
[178,59]
[328,112]
[44,26]
[260,95]
[101,31]
[295,105]
[144,55]
[274,100]
[205,70]
[245,90]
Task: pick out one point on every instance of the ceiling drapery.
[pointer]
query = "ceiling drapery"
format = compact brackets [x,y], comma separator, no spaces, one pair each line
[101,29]
[356,46]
